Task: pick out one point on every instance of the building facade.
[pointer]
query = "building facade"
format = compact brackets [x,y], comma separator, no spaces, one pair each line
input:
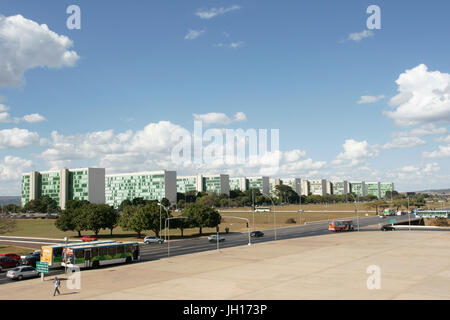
[260,183]
[385,187]
[318,187]
[294,183]
[189,183]
[373,188]
[149,185]
[217,184]
[358,188]
[238,184]
[340,187]
[63,185]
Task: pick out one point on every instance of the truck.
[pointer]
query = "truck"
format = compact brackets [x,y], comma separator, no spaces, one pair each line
[340,225]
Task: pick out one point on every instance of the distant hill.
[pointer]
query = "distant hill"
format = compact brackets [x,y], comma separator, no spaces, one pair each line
[4,200]
[438,191]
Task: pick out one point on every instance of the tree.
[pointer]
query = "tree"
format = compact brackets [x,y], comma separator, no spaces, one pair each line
[286,194]
[133,219]
[124,204]
[165,202]
[140,218]
[100,216]
[377,204]
[181,224]
[74,217]
[202,216]
[138,202]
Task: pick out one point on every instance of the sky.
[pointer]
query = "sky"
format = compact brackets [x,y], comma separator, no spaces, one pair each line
[350,103]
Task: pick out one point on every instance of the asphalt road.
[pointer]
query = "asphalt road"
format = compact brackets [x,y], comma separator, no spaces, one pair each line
[192,245]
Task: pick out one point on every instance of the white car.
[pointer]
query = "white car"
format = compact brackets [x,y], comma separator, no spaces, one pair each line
[148,240]
[22,272]
[213,238]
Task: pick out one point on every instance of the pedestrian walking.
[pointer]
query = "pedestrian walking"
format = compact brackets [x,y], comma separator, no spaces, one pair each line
[57,283]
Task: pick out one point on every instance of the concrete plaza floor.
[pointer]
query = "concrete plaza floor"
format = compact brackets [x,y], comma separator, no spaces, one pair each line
[413,265]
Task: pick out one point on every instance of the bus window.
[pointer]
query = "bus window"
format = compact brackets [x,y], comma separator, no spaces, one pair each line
[120,249]
[112,251]
[94,252]
[129,248]
[102,251]
[79,254]
[57,252]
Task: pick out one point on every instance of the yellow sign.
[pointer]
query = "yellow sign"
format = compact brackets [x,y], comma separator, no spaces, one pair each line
[47,254]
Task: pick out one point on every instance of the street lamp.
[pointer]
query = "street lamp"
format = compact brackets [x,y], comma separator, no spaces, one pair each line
[160,222]
[248,227]
[65,254]
[274,218]
[168,227]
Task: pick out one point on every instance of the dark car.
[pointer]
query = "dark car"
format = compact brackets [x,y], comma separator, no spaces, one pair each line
[387,228]
[257,234]
[31,259]
[6,263]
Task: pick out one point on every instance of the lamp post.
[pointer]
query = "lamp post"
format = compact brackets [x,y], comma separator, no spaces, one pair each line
[160,221]
[409,218]
[167,222]
[65,254]
[274,218]
[248,227]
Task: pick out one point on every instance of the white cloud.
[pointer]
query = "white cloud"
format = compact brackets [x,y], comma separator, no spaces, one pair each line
[355,152]
[240,116]
[236,45]
[424,97]
[34,118]
[358,36]
[404,142]
[194,34]
[232,45]
[432,167]
[5,117]
[24,45]
[211,13]
[17,138]
[219,118]
[3,108]
[11,168]
[442,152]
[370,99]
[445,139]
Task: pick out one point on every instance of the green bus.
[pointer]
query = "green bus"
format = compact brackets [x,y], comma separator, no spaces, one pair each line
[95,255]
[53,254]
[432,213]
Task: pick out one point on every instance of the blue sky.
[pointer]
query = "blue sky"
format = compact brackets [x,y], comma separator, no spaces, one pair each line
[292,66]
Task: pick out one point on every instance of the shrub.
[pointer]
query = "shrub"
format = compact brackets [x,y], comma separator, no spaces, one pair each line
[290,220]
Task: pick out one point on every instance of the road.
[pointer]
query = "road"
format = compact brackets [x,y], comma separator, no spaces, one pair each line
[188,246]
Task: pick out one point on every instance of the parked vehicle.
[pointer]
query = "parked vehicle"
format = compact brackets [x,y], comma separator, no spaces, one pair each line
[31,259]
[22,272]
[340,225]
[213,238]
[300,210]
[11,255]
[148,240]
[88,238]
[257,234]
[387,228]
[6,263]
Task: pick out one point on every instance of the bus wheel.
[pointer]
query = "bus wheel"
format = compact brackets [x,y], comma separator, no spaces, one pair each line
[95,264]
[128,260]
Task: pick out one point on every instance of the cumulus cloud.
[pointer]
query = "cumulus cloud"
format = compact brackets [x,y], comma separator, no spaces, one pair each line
[17,138]
[33,118]
[358,36]
[355,152]
[424,97]
[404,142]
[213,12]
[24,45]
[11,168]
[442,152]
[370,99]
[219,118]
[193,34]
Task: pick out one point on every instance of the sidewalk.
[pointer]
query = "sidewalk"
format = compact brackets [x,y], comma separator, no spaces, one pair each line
[414,265]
